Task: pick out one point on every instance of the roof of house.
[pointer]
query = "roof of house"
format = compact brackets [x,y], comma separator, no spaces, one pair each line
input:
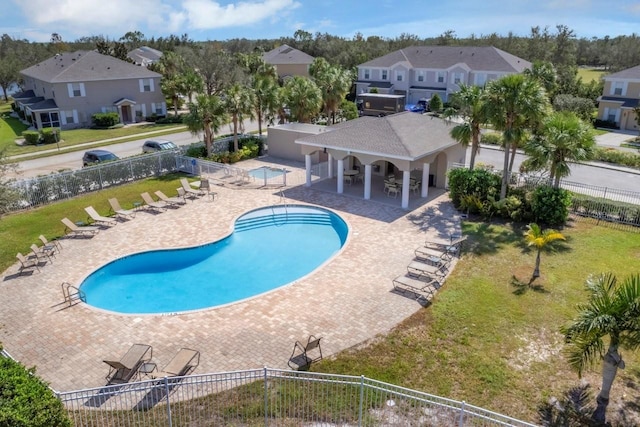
[624,102]
[145,55]
[83,66]
[480,58]
[406,135]
[47,104]
[286,55]
[25,94]
[629,73]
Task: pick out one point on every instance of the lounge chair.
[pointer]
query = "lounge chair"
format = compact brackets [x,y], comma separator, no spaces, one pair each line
[184,362]
[419,269]
[152,204]
[121,371]
[433,254]
[27,263]
[422,287]
[75,230]
[41,254]
[99,219]
[189,191]
[53,245]
[119,212]
[172,201]
[453,247]
[304,354]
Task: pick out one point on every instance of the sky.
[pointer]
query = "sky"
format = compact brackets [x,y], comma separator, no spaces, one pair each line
[36,20]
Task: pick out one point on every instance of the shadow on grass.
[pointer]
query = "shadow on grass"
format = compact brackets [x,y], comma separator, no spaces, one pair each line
[572,409]
[522,287]
[488,238]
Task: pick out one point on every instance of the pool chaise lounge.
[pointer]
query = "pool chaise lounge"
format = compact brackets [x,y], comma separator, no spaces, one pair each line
[421,287]
[119,212]
[152,204]
[73,230]
[123,370]
[99,219]
[27,262]
[171,201]
[183,363]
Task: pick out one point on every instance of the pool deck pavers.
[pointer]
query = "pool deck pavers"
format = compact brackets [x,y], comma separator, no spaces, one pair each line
[346,301]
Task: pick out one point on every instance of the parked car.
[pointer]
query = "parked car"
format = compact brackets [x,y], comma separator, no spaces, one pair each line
[92,157]
[421,107]
[153,145]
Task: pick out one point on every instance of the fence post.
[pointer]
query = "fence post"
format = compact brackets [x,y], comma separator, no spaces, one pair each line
[266,399]
[166,386]
[284,177]
[360,404]
[461,421]
[264,174]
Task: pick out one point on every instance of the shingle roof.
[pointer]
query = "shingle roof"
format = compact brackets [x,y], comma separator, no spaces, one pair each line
[286,55]
[405,135]
[144,54]
[479,58]
[625,102]
[82,66]
[629,73]
[47,104]
[26,94]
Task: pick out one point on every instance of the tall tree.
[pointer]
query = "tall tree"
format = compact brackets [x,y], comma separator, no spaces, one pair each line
[303,97]
[333,82]
[208,114]
[239,104]
[469,104]
[192,83]
[545,73]
[514,103]
[172,87]
[9,73]
[218,68]
[541,240]
[563,138]
[612,312]
[266,99]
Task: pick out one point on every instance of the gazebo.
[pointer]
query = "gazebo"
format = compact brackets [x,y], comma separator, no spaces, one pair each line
[397,144]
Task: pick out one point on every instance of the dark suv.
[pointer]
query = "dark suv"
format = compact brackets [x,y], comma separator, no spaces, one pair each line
[97,156]
[154,145]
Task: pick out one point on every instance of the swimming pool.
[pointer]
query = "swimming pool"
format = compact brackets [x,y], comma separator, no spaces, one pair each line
[270,247]
[266,172]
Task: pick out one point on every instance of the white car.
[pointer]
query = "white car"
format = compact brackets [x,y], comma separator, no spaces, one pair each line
[153,145]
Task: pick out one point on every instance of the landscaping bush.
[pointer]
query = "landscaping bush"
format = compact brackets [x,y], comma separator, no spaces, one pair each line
[198,151]
[105,120]
[25,400]
[171,119]
[582,107]
[478,182]
[550,205]
[491,138]
[50,135]
[21,114]
[607,124]
[611,155]
[435,104]
[31,137]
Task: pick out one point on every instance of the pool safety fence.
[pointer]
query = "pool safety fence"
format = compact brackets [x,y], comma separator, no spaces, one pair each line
[270,397]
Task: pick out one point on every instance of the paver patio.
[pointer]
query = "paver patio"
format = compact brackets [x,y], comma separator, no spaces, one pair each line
[346,301]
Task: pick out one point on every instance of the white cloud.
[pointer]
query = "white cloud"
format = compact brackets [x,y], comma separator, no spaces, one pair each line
[208,14]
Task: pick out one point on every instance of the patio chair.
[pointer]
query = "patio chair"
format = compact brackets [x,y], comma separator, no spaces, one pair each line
[422,287]
[99,219]
[53,245]
[121,371]
[434,255]
[419,269]
[152,204]
[171,201]
[453,247]
[189,191]
[42,255]
[27,263]
[304,354]
[392,189]
[184,362]
[414,186]
[119,212]
[73,230]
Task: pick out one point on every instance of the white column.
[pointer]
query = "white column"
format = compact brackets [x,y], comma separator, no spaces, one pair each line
[367,182]
[330,162]
[340,176]
[425,180]
[406,175]
[307,167]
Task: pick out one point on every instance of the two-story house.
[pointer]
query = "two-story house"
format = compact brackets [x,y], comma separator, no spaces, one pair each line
[288,61]
[421,71]
[66,90]
[621,94]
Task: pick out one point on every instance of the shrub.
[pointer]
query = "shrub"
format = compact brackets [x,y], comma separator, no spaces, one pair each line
[21,114]
[550,205]
[611,155]
[50,135]
[435,104]
[105,120]
[170,119]
[607,124]
[198,151]
[582,107]
[26,399]
[492,138]
[31,137]
[478,182]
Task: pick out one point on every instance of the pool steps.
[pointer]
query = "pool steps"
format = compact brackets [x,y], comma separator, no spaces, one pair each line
[281,218]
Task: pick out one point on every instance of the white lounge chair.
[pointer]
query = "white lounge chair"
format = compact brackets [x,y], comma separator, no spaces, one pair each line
[73,230]
[152,204]
[27,263]
[172,201]
[99,219]
[119,212]
[189,191]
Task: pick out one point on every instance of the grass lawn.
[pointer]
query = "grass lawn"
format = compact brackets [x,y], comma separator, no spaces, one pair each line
[491,340]
[18,231]
[590,74]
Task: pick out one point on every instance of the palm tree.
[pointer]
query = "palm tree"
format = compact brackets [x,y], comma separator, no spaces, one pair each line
[239,103]
[534,236]
[514,103]
[303,98]
[266,101]
[207,114]
[613,311]
[563,138]
[192,83]
[469,105]
[172,87]
[334,83]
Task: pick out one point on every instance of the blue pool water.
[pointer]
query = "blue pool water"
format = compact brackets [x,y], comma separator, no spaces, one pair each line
[259,173]
[269,248]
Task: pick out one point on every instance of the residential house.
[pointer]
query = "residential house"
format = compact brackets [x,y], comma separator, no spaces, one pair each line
[144,56]
[66,90]
[621,94]
[419,72]
[289,61]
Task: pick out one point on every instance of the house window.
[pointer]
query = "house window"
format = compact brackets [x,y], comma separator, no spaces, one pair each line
[481,79]
[146,85]
[50,119]
[69,117]
[420,76]
[76,90]
[385,75]
[367,74]
[457,78]
[399,76]
[617,88]
[441,76]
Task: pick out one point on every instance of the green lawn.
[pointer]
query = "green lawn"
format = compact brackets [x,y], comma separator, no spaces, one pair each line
[590,74]
[491,340]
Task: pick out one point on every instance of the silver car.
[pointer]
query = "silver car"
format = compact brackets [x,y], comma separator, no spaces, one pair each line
[153,145]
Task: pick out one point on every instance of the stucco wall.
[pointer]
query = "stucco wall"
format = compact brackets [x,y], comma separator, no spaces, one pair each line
[281,143]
